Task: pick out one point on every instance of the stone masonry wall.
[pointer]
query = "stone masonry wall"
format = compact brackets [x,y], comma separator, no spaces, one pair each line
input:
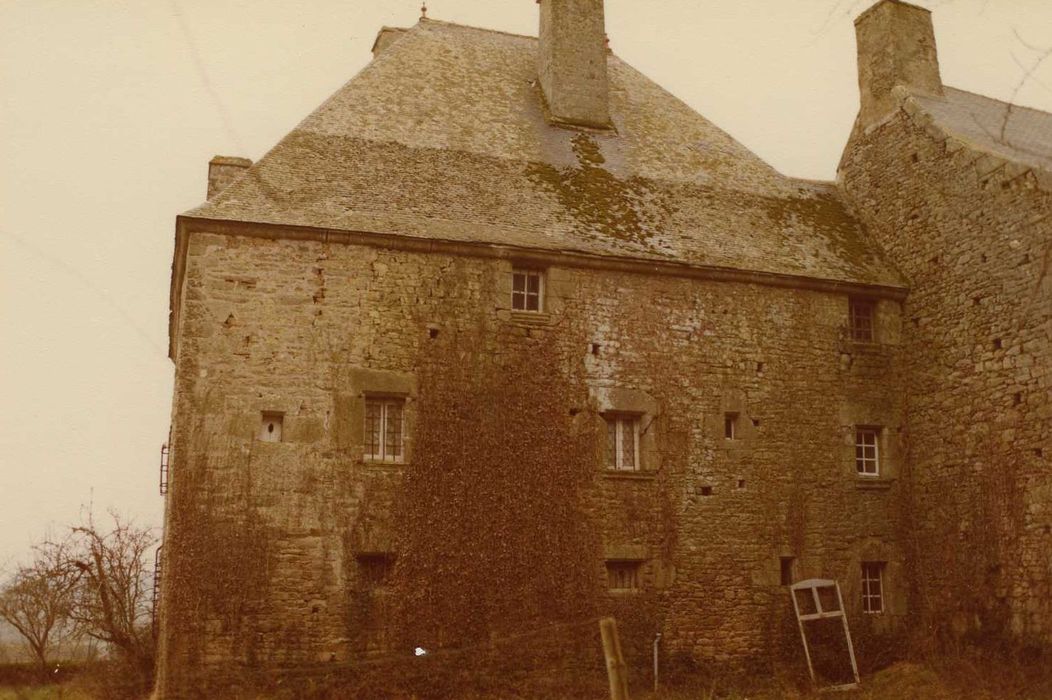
[262,537]
[972,234]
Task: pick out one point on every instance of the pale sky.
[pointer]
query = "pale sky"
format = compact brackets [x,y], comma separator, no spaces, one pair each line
[110,111]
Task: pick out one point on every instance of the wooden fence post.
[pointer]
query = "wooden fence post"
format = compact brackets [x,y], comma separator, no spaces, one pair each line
[616,669]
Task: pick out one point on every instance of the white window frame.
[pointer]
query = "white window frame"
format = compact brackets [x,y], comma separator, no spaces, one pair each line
[865,465]
[384,402]
[621,422]
[855,319]
[872,587]
[523,297]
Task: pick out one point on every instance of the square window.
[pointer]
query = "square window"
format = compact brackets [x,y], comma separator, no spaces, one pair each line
[384,429]
[867,451]
[374,570]
[270,426]
[872,586]
[861,313]
[527,290]
[623,575]
[730,425]
[622,442]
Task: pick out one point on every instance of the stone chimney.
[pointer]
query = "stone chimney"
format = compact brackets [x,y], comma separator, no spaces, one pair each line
[896,46]
[222,171]
[572,62]
[385,37]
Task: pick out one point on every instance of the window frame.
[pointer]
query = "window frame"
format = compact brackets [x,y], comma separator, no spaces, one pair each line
[619,420]
[385,401]
[872,573]
[862,460]
[631,569]
[527,273]
[730,426]
[862,327]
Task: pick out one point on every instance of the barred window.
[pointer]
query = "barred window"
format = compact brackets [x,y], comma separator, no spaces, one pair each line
[623,575]
[873,586]
[384,429]
[860,312]
[527,290]
[622,442]
[867,454]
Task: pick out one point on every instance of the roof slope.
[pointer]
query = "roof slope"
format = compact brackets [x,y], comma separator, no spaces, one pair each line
[1019,134]
[443,136]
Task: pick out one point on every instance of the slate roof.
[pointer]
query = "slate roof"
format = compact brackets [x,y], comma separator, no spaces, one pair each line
[443,136]
[1018,134]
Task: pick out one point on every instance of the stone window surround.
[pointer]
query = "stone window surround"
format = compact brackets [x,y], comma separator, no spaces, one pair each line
[618,401]
[360,384]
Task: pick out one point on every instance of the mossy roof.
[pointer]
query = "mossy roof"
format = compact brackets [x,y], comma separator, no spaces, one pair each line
[444,136]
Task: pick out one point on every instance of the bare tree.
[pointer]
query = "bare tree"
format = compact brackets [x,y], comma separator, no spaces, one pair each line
[37,601]
[112,599]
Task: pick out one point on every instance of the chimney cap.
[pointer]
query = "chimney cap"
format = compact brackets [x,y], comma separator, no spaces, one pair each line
[230,160]
[875,6]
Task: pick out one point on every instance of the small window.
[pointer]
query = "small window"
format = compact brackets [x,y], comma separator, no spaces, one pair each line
[861,313]
[384,429]
[788,564]
[623,575]
[730,425]
[867,451]
[872,586]
[374,570]
[527,290]
[270,427]
[622,442]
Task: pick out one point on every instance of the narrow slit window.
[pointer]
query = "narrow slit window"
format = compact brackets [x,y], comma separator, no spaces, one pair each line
[527,290]
[867,451]
[730,426]
[873,587]
[384,429]
[622,442]
[787,566]
[861,313]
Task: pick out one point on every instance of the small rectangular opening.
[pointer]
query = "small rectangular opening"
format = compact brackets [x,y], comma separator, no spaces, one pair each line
[787,570]
[730,426]
[270,426]
[374,569]
[623,575]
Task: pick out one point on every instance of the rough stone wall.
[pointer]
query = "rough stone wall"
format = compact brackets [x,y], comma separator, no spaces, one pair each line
[262,537]
[972,234]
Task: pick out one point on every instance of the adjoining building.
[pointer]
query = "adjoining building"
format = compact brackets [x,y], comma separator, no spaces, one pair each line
[752,378]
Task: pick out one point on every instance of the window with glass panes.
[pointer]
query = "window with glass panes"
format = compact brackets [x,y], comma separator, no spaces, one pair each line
[873,586]
[384,429]
[527,290]
[861,314]
[622,442]
[867,454]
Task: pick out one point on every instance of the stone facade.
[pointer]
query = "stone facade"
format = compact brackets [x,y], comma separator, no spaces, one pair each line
[972,233]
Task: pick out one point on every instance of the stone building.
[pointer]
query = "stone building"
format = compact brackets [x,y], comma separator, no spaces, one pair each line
[753,379]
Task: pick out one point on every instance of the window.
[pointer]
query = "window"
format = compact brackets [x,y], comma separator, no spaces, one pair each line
[374,570]
[872,586]
[730,425]
[861,315]
[270,427]
[867,455]
[384,429]
[787,566]
[527,290]
[623,575]
[622,442]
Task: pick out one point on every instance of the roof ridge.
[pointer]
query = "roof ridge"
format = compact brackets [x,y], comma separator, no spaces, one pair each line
[457,25]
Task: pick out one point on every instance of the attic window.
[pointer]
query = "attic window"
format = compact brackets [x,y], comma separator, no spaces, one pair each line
[527,290]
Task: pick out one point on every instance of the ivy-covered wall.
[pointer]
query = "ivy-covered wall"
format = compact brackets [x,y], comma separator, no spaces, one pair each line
[503,516]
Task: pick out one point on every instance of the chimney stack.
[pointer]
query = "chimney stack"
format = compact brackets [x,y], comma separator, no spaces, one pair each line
[572,62]
[896,46]
[223,170]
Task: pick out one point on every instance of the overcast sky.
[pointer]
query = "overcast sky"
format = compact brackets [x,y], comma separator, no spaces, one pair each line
[110,111]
